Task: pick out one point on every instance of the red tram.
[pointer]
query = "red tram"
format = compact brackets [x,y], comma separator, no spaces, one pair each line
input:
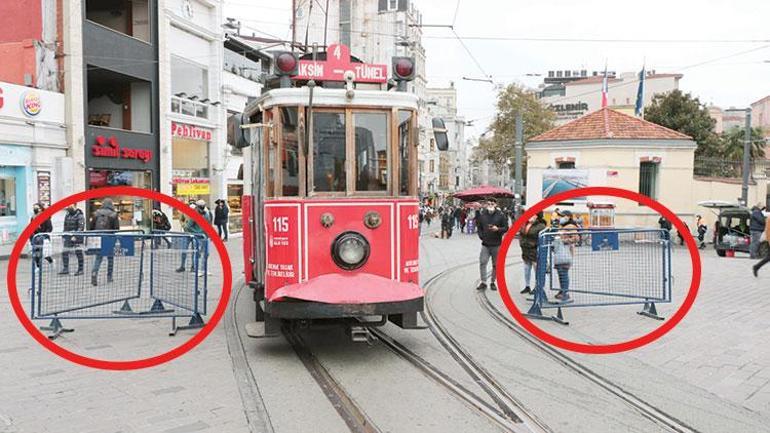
[330,201]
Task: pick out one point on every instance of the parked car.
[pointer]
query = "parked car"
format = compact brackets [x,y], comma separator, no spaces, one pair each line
[731,230]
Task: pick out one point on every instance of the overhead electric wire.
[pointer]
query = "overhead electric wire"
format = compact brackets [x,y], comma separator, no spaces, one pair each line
[457,9]
[470,54]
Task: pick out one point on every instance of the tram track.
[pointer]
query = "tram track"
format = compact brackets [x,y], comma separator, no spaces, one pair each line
[353,416]
[648,410]
[512,408]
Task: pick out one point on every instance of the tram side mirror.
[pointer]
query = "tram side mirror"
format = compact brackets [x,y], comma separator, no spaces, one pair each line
[439,133]
[236,136]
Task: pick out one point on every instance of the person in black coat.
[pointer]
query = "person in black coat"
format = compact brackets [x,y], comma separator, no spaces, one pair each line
[74,221]
[221,213]
[528,237]
[38,241]
[492,225]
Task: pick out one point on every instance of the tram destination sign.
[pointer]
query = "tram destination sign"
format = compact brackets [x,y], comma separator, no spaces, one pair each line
[336,64]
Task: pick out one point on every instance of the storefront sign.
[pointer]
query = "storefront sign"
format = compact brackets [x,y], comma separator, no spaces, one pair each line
[336,64]
[110,148]
[44,187]
[22,103]
[192,189]
[31,103]
[190,131]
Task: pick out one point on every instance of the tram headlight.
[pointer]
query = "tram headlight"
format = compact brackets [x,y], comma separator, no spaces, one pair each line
[350,250]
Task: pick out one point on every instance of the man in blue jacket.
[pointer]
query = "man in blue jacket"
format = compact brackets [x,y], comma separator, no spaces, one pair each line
[492,225]
[756,228]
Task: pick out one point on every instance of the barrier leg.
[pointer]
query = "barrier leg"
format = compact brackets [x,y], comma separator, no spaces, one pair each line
[158,308]
[196,322]
[56,328]
[125,309]
[559,317]
[650,311]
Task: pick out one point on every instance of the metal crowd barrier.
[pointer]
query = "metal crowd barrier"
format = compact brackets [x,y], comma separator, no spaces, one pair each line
[601,267]
[118,274]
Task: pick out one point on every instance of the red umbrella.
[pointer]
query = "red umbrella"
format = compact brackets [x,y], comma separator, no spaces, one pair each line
[482,192]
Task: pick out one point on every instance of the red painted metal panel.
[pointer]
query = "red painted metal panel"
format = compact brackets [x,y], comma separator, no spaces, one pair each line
[248,237]
[283,241]
[359,288]
[349,216]
[409,242]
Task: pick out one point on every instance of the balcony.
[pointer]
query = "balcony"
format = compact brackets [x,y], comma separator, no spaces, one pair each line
[181,104]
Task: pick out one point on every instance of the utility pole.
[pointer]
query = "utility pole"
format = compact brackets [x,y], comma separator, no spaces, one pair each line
[518,145]
[746,160]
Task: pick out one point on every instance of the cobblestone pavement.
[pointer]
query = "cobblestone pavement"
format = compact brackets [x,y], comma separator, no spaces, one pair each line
[42,393]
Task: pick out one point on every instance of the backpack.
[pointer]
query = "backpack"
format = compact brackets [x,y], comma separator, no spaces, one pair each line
[163,223]
[102,221]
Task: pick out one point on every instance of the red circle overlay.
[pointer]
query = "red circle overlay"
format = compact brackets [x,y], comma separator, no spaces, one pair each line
[180,350]
[635,343]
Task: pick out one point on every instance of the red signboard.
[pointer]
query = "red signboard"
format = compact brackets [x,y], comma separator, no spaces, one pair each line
[110,148]
[282,245]
[190,131]
[336,64]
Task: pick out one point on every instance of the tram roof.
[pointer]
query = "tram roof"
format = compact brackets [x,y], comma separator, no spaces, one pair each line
[333,98]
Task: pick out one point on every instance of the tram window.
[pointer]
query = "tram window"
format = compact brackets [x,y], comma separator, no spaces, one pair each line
[329,151]
[290,153]
[403,149]
[371,151]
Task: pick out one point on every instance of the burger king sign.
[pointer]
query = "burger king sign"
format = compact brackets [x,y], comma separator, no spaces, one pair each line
[31,103]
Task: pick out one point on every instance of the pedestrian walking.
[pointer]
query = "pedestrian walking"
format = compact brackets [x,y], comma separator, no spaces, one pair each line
[191,227]
[756,228]
[39,241]
[701,227]
[74,222]
[528,236]
[221,212]
[680,235]
[104,219]
[160,223]
[492,225]
[463,220]
[428,216]
[447,220]
[563,252]
[457,213]
[665,225]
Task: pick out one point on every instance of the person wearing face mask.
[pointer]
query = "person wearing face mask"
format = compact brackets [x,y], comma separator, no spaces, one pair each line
[564,250]
[492,225]
[74,221]
[528,237]
[37,242]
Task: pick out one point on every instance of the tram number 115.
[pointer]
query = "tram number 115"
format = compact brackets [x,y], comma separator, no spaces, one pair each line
[281,224]
[413,221]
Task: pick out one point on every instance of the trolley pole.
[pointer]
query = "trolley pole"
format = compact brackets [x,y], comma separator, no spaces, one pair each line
[746,160]
[518,145]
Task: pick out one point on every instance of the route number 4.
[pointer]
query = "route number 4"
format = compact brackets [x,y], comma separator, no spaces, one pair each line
[414,221]
[281,224]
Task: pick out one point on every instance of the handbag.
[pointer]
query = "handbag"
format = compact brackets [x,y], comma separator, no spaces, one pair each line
[561,253]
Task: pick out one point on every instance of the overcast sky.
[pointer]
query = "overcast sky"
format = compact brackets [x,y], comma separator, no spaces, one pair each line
[723,73]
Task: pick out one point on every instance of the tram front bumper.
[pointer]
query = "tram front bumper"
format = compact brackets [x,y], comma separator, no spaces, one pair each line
[342,295]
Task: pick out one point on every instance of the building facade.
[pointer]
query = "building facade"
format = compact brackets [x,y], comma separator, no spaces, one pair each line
[609,148]
[577,97]
[760,116]
[193,132]
[453,164]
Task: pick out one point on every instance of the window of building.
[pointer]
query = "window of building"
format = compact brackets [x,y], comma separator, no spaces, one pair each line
[432,145]
[290,152]
[329,151]
[118,101]
[345,22]
[432,165]
[566,164]
[392,5]
[7,196]
[648,179]
[242,64]
[130,17]
[372,153]
[189,88]
[132,211]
